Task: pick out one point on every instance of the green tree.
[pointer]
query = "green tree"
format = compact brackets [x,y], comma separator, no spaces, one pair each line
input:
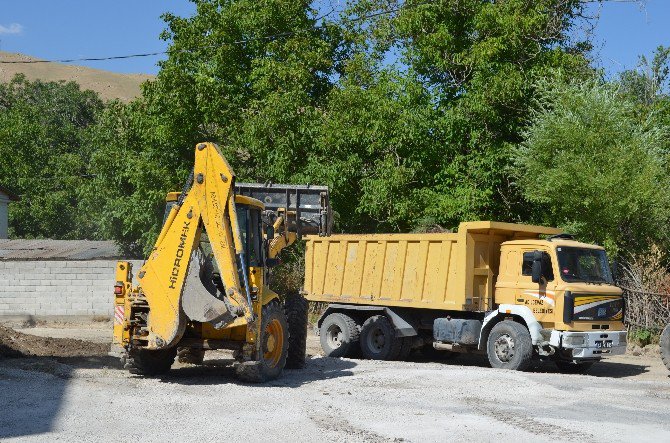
[590,166]
[249,75]
[44,156]
[467,71]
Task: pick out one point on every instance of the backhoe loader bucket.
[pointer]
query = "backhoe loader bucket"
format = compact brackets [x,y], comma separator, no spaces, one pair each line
[307,207]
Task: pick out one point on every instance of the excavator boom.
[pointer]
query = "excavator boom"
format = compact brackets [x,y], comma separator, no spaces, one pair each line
[209,204]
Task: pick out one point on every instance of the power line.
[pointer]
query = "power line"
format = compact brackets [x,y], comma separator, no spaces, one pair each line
[237,42]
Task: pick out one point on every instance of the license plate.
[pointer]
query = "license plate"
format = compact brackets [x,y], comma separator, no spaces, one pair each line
[603,343]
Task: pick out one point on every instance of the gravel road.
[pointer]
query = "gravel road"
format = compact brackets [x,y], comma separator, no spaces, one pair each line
[339,400]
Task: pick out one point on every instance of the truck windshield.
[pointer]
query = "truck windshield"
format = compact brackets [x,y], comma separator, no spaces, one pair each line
[584,265]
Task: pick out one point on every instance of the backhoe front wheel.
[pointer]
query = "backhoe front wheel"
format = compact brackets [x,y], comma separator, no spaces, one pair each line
[274,338]
[150,362]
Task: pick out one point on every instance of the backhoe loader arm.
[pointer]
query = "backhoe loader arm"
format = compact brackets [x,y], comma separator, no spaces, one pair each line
[168,278]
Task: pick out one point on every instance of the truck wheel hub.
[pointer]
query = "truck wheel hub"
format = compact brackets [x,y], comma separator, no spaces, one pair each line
[504,347]
[335,336]
[377,339]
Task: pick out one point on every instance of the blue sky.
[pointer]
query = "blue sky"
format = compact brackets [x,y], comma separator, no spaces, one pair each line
[85,28]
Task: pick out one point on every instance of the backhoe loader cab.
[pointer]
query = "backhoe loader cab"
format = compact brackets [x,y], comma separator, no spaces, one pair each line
[204,285]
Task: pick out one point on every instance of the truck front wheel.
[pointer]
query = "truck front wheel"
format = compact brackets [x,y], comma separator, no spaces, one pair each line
[665,346]
[510,346]
[339,335]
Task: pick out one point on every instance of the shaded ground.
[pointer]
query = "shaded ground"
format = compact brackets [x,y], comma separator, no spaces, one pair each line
[82,398]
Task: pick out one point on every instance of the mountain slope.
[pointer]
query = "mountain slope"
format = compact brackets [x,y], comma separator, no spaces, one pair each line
[109,85]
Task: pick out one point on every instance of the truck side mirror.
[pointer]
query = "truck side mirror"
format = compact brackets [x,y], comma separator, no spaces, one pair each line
[538,267]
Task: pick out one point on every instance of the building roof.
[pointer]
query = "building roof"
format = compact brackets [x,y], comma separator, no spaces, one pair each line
[9,194]
[58,250]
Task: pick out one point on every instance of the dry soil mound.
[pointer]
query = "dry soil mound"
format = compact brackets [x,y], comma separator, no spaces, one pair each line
[17,344]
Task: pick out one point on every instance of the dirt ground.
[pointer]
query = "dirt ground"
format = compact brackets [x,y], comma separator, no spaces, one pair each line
[67,388]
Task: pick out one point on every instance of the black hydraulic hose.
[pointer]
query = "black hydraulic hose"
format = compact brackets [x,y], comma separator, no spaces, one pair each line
[185,189]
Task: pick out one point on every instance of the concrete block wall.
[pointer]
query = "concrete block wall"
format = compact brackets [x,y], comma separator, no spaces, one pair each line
[57,288]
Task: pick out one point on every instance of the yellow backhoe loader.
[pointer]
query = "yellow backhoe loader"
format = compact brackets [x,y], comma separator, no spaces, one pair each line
[204,285]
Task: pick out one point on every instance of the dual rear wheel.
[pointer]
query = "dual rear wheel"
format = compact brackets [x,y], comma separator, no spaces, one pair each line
[375,339]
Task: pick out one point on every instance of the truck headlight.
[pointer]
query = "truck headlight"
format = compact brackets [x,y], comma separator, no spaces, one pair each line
[574,340]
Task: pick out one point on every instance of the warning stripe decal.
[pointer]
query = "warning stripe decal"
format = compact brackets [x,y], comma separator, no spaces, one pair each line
[119,313]
[579,301]
[585,307]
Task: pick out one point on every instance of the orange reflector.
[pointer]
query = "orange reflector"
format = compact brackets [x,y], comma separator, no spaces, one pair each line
[118,290]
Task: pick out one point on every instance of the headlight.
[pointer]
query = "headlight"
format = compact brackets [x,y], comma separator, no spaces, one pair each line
[574,340]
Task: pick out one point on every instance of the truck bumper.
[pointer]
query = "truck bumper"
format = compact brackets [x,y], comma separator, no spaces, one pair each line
[590,345]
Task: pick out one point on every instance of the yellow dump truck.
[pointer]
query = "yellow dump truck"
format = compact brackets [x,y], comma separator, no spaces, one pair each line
[515,292]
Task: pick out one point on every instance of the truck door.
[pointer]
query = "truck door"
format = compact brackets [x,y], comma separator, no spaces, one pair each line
[538,297]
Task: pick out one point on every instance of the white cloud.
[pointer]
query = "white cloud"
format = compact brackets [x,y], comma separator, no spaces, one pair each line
[13,28]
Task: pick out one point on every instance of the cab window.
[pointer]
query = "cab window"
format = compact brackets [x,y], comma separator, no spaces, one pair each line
[250,230]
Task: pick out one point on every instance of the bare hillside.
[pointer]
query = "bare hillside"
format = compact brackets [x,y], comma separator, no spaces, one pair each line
[109,85]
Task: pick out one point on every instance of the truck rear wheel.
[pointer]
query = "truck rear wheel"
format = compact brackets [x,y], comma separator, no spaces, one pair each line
[378,339]
[339,335]
[150,362]
[295,308]
[510,346]
[665,346]
[274,347]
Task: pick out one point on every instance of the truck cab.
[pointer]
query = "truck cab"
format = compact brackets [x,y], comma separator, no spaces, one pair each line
[572,295]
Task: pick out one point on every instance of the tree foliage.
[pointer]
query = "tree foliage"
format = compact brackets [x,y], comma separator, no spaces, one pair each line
[414,113]
[44,156]
[591,166]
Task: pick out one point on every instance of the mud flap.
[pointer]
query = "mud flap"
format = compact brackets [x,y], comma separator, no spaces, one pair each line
[199,304]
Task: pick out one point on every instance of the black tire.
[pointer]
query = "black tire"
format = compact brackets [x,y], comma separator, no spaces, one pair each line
[405,348]
[665,346]
[509,346]
[568,367]
[190,355]
[295,308]
[149,363]
[274,347]
[339,335]
[378,339]
[429,352]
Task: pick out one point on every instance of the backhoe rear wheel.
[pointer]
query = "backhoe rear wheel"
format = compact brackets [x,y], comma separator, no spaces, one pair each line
[296,307]
[665,346]
[274,339]
[150,362]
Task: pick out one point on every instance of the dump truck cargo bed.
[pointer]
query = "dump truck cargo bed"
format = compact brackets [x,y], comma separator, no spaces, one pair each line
[448,271]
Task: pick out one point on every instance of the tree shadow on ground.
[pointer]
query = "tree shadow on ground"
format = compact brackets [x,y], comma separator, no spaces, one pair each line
[33,388]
